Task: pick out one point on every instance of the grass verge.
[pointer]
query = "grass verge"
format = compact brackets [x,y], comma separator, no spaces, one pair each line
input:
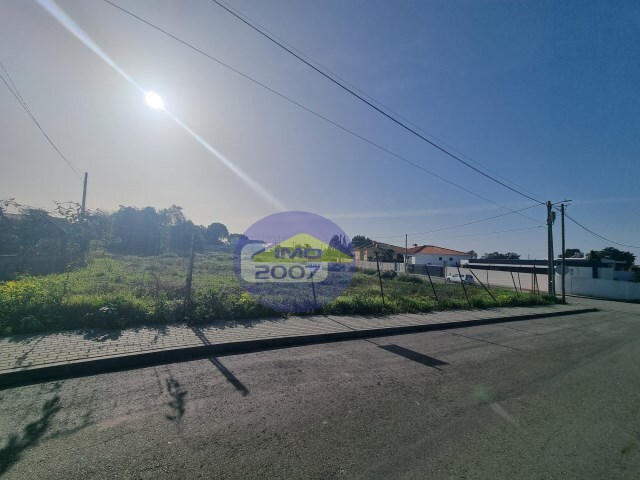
[129,291]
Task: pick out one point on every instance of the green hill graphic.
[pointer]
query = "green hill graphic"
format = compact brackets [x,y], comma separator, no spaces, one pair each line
[301,248]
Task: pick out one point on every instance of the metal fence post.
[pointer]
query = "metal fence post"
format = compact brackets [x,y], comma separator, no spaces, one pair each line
[483,286]
[431,282]
[380,278]
[464,287]
[514,284]
[519,282]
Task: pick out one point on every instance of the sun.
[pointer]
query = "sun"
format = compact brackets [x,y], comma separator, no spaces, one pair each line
[154,100]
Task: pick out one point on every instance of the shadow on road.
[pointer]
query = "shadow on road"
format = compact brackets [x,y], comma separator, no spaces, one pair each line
[231,378]
[31,435]
[178,402]
[413,355]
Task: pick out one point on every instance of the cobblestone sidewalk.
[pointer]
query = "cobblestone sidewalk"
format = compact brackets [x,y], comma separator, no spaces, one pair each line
[28,352]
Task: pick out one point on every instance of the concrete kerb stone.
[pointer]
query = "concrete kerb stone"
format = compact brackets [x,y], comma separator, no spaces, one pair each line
[125,361]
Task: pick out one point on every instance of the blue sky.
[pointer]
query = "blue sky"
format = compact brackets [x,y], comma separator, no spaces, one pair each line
[543,93]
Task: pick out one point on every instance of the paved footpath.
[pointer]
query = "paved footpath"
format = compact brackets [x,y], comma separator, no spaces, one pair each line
[27,358]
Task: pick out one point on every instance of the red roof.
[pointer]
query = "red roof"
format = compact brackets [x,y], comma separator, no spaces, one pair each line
[434,250]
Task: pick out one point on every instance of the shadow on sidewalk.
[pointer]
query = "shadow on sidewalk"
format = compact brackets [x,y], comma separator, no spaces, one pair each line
[231,378]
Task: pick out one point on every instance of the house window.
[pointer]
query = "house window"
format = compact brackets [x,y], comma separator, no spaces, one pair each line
[451,259]
[440,258]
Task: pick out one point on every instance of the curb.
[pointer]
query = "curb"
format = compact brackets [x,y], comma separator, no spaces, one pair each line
[138,360]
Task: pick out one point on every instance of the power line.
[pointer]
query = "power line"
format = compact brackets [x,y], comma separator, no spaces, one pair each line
[457,226]
[598,235]
[489,233]
[373,99]
[307,109]
[370,104]
[19,97]
[24,105]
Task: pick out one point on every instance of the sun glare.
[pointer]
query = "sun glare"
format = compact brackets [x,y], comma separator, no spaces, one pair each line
[154,100]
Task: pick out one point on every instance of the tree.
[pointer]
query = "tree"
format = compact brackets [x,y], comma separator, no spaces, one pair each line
[386,255]
[572,253]
[215,234]
[613,254]
[36,227]
[339,242]
[234,238]
[501,256]
[138,231]
[9,243]
[180,236]
[594,255]
[472,254]
[172,215]
[360,241]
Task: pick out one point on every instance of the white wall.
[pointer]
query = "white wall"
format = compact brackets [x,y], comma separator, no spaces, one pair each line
[621,275]
[434,259]
[597,287]
[399,267]
[580,283]
[587,272]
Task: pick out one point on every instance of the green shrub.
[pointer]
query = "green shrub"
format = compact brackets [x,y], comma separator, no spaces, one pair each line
[403,277]
[368,271]
[388,274]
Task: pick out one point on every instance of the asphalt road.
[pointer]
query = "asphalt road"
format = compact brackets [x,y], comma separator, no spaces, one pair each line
[547,398]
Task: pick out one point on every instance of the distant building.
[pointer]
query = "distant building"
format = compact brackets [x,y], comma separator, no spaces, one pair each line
[386,253]
[434,255]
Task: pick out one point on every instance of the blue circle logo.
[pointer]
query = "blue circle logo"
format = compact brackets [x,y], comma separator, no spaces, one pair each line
[294,261]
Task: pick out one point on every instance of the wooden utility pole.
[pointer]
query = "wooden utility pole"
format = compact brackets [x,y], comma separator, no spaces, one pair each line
[551,273]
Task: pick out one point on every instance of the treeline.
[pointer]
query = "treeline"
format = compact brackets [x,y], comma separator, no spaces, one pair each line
[129,230]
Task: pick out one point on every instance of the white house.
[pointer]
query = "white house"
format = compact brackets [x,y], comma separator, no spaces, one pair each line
[433,255]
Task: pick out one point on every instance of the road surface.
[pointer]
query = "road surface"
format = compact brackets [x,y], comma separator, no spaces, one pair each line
[546,398]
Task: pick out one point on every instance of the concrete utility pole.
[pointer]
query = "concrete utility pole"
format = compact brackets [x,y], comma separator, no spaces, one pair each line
[83,219]
[564,252]
[84,194]
[551,290]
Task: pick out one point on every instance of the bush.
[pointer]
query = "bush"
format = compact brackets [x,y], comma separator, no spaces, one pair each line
[368,271]
[403,277]
[388,274]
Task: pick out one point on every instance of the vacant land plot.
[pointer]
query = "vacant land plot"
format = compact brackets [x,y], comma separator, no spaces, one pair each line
[122,291]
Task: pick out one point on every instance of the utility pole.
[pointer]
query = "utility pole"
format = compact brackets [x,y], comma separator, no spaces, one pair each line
[83,220]
[564,252]
[84,194]
[406,265]
[187,287]
[551,273]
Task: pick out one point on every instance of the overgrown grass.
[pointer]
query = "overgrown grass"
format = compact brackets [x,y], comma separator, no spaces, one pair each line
[127,291]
